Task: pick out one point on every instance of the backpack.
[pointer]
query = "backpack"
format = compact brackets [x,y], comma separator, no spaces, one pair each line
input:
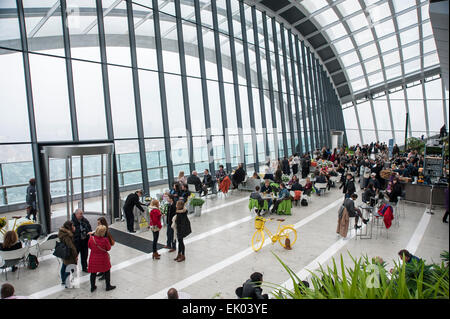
[304,202]
[61,250]
[33,262]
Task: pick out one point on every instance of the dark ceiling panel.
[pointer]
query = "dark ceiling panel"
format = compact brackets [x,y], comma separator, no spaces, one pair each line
[275,5]
[317,40]
[326,54]
[292,15]
[339,78]
[343,91]
[306,28]
[333,66]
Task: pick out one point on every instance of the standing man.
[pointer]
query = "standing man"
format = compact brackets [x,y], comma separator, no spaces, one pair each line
[31,199]
[171,211]
[80,236]
[131,201]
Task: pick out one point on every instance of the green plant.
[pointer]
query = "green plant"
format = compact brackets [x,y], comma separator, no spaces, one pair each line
[416,144]
[196,202]
[368,279]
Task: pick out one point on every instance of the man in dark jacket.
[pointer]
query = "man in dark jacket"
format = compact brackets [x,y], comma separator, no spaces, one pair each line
[208,182]
[252,288]
[285,166]
[171,211]
[238,176]
[306,163]
[80,236]
[31,199]
[195,180]
[349,186]
[132,201]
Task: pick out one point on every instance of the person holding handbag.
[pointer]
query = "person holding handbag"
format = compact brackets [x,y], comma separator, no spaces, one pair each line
[65,235]
[182,227]
[99,260]
[102,221]
[155,225]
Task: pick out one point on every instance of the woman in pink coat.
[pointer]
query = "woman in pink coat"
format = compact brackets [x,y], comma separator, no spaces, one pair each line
[155,224]
[99,257]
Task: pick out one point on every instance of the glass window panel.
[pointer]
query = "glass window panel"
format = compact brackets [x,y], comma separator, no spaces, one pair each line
[214,108]
[314,5]
[231,109]
[425,11]
[365,116]
[407,19]
[435,116]
[343,45]
[363,37]
[391,58]
[357,85]
[368,51]
[393,72]
[127,155]
[388,44]
[191,50]
[409,35]
[375,78]
[350,118]
[355,72]
[13,107]
[155,158]
[167,6]
[430,60]
[336,32]
[401,5]
[175,105]
[150,104]
[357,22]
[89,100]
[429,45]
[384,28]
[349,59]
[411,51]
[9,26]
[326,17]
[48,76]
[245,115]
[348,7]
[426,29]
[116,37]
[196,106]
[379,12]
[145,39]
[372,65]
[412,66]
[122,102]
[381,110]
[416,110]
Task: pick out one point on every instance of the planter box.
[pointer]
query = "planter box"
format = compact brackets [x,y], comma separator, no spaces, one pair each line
[198,211]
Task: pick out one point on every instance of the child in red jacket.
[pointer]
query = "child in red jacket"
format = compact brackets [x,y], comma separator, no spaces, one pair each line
[155,225]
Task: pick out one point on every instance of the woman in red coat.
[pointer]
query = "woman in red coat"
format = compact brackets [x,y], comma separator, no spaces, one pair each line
[99,257]
[155,224]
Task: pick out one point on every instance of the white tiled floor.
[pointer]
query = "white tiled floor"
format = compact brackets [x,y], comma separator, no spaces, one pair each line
[221,261]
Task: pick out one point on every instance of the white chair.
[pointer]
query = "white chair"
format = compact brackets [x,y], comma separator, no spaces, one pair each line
[48,243]
[13,258]
[191,188]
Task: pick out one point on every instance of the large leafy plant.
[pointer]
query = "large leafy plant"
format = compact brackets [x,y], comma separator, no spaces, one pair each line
[368,279]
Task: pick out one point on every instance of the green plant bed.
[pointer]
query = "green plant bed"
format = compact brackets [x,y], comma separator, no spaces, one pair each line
[196,202]
[369,279]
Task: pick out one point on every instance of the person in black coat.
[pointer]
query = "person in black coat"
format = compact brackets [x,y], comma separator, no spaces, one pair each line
[195,180]
[183,229]
[31,199]
[132,201]
[285,166]
[238,176]
[396,191]
[207,182]
[171,211]
[252,288]
[80,236]
[349,186]
[306,163]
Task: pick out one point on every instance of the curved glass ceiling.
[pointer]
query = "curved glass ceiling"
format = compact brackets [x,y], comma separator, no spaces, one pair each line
[375,41]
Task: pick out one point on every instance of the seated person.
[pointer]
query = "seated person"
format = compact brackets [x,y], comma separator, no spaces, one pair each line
[195,180]
[208,182]
[184,193]
[238,176]
[369,195]
[374,181]
[257,195]
[267,189]
[353,211]
[220,174]
[293,180]
[255,176]
[181,178]
[395,191]
[268,174]
[10,242]
[282,195]
[321,179]
[308,187]
[252,288]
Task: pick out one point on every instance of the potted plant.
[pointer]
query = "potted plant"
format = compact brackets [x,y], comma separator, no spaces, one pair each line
[197,204]
[2,225]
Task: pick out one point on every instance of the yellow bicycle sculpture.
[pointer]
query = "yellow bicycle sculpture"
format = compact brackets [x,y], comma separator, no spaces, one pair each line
[282,233]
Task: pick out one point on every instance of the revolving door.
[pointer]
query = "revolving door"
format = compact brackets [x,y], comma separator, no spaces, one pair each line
[78,176]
